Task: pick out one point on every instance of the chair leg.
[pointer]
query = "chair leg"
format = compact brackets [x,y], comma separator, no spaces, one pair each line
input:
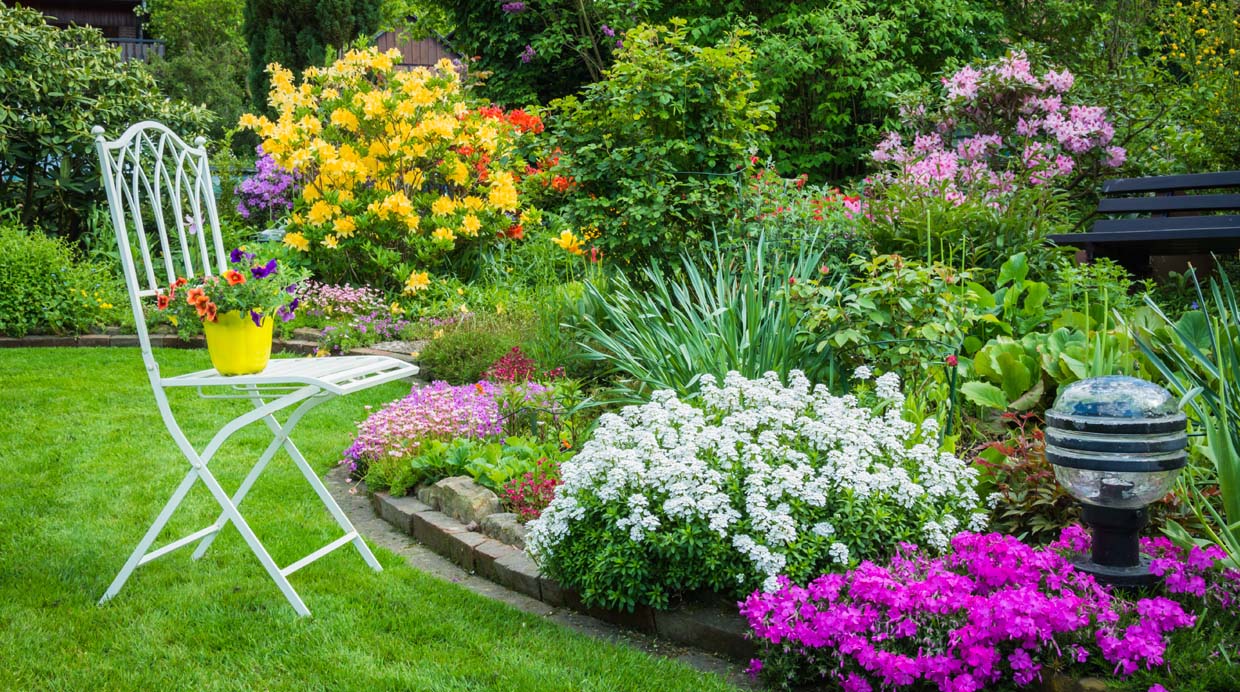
[151,534]
[237,497]
[234,516]
[282,433]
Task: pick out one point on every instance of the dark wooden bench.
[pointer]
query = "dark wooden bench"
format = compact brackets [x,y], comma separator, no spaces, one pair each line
[1165,215]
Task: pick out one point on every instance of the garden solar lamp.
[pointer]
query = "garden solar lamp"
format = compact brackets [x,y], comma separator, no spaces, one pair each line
[1117,443]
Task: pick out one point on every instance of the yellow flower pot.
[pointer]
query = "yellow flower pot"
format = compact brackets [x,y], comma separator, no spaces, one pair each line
[236,346]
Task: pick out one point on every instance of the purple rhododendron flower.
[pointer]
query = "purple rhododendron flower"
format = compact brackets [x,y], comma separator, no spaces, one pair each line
[528,54]
[513,7]
[608,31]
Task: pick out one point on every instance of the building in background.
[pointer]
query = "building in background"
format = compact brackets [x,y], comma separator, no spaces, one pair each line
[117,19]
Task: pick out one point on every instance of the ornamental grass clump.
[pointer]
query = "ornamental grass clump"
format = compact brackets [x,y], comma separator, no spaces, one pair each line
[750,480]
[992,611]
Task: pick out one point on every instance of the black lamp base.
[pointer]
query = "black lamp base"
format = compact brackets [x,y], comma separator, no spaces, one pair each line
[1116,554]
[1132,575]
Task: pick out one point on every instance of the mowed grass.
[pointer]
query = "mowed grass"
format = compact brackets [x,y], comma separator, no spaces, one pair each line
[86,464]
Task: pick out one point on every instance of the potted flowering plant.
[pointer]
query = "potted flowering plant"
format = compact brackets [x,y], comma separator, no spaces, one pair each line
[236,309]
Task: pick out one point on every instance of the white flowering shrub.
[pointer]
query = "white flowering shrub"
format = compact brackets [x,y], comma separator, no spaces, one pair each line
[755,480]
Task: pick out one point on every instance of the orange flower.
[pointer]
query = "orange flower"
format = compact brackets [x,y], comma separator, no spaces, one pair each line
[202,300]
[210,312]
[234,277]
[192,296]
[181,281]
[161,301]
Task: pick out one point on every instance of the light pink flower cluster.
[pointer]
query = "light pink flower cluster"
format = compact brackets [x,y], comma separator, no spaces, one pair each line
[1000,128]
[436,411]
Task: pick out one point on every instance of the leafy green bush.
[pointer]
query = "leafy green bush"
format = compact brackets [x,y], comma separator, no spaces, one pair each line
[205,56]
[655,147]
[467,348]
[711,314]
[45,286]
[833,68]
[55,85]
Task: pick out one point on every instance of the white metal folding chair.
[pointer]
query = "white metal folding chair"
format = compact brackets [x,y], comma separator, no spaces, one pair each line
[153,178]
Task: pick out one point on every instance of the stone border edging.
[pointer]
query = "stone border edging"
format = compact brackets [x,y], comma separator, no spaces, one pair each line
[696,626]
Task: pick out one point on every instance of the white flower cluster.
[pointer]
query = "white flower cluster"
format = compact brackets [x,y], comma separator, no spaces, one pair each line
[742,461]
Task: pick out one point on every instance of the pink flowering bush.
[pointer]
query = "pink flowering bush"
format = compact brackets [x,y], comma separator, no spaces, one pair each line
[328,302]
[987,161]
[992,611]
[437,411]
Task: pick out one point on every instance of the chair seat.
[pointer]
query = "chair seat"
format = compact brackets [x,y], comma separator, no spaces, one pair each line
[339,375]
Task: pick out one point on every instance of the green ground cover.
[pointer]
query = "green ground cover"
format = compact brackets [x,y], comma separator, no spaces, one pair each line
[85,465]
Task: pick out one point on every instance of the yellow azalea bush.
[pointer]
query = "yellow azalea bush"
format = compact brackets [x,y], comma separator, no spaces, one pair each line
[406,174]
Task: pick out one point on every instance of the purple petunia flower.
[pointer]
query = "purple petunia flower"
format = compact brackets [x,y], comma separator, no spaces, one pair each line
[265,270]
[257,317]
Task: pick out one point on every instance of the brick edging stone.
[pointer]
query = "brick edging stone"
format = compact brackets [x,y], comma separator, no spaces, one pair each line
[698,626]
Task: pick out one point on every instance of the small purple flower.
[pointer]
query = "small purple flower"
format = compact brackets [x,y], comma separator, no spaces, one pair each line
[192,225]
[265,270]
[528,54]
[237,256]
[619,43]
[257,317]
[608,31]
[513,7]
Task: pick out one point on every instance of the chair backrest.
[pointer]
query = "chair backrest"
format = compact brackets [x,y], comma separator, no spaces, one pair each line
[162,200]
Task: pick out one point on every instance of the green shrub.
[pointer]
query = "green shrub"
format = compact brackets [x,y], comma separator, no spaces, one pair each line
[55,85]
[45,286]
[466,349]
[655,148]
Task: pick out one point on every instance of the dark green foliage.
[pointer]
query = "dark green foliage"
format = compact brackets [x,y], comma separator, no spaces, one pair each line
[656,147]
[45,287]
[54,86]
[834,67]
[465,350]
[298,34]
[205,60]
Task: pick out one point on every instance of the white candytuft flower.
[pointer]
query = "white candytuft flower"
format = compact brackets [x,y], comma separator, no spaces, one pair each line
[761,466]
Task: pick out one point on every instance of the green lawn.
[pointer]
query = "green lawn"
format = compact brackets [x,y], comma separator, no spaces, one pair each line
[85,464]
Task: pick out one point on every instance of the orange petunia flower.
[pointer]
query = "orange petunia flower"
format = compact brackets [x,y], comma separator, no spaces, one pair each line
[192,296]
[210,312]
[181,281]
[161,301]
[234,277]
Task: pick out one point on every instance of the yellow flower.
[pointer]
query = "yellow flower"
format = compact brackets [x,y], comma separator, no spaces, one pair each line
[412,221]
[460,174]
[443,206]
[473,203]
[297,241]
[438,333]
[499,308]
[444,234]
[344,118]
[470,225]
[396,309]
[310,193]
[569,242]
[320,212]
[249,121]
[503,195]
[417,281]
[344,226]
[329,241]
